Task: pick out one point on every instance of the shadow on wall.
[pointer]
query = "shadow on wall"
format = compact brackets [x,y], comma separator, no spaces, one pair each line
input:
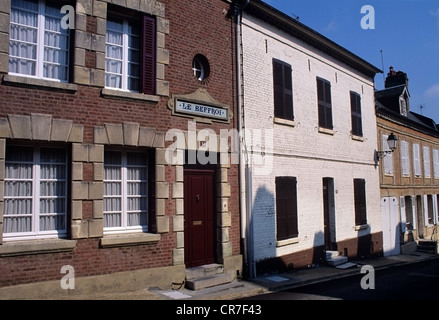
[264,242]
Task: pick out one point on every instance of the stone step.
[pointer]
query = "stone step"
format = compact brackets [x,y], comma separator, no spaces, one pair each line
[203,271]
[335,261]
[331,254]
[429,246]
[209,281]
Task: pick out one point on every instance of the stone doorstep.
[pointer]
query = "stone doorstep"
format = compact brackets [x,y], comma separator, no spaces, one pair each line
[209,281]
[203,271]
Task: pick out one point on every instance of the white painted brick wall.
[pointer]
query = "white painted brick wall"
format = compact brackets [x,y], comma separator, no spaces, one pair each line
[301,151]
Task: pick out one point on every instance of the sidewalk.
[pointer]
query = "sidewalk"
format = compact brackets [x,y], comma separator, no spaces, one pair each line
[266,283]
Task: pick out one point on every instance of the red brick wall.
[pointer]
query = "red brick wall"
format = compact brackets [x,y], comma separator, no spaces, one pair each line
[196,26]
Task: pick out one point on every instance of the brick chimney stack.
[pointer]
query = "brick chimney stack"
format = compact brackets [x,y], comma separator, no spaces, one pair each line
[396,78]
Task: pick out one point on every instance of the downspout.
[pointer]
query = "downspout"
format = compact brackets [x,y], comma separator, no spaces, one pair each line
[244,175]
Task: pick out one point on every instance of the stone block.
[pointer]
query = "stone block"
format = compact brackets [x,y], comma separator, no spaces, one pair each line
[98,209]
[162,190]
[131,133]
[79,152]
[114,133]
[79,190]
[160,207]
[177,190]
[96,228]
[95,190]
[5,130]
[76,210]
[95,153]
[77,171]
[162,224]
[98,171]
[60,129]
[76,133]
[20,126]
[146,137]
[100,135]
[178,223]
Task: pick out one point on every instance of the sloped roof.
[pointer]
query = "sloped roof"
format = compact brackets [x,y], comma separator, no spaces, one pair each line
[412,120]
[262,10]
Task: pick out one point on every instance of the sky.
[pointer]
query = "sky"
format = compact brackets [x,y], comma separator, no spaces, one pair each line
[399,33]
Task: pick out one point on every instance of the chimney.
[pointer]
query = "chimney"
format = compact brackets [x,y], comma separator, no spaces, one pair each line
[396,78]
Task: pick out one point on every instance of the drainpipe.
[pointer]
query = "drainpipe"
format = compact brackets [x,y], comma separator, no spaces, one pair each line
[244,175]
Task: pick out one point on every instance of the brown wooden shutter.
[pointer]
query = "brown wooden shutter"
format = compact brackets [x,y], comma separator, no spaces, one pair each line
[360,201]
[286,207]
[148,58]
[357,128]
[283,90]
[324,103]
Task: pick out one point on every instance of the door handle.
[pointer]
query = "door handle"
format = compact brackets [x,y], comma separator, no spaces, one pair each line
[197,197]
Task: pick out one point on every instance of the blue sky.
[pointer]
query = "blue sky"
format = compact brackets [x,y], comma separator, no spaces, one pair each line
[406,32]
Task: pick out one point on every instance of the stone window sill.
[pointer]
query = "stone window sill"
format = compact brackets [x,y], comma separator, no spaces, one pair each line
[28,82]
[25,247]
[327,131]
[287,242]
[361,227]
[358,138]
[112,93]
[285,122]
[117,240]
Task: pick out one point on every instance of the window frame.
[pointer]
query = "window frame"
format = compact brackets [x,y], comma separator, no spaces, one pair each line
[124,228]
[324,103]
[40,45]
[36,196]
[283,90]
[147,48]
[360,202]
[286,208]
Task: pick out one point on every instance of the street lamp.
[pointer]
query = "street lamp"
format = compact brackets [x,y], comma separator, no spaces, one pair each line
[392,141]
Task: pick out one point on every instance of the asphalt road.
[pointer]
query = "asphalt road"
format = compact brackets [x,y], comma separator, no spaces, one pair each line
[418,281]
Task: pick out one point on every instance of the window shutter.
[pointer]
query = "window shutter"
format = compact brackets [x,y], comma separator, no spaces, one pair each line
[426,155]
[388,159]
[416,160]
[278,89]
[436,163]
[403,213]
[283,90]
[405,161]
[286,207]
[356,114]
[148,58]
[324,103]
[360,201]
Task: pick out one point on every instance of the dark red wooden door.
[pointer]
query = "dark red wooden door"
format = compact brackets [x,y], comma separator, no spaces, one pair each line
[199,226]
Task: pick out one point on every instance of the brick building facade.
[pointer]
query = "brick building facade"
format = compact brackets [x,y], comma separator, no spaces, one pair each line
[409,176]
[95,120]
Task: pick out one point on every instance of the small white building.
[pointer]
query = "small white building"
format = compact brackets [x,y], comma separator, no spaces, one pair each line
[310,183]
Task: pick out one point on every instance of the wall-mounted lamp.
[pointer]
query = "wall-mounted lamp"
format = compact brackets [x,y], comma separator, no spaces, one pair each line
[392,141]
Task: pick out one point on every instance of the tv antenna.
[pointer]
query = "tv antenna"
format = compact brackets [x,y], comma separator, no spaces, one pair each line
[382,66]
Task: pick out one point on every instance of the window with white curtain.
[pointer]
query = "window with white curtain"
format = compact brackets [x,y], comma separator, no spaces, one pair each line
[125,191]
[122,57]
[35,192]
[38,45]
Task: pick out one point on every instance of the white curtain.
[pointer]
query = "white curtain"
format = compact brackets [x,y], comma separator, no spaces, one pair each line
[20,190]
[23,44]
[128,172]
[114,54]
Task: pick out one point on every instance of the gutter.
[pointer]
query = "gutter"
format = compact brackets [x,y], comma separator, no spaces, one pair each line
[244,170]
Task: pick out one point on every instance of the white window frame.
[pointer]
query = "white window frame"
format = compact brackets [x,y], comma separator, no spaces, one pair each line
[125,75]
[416,160]
[36,197]
[40,44]
[124,228]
